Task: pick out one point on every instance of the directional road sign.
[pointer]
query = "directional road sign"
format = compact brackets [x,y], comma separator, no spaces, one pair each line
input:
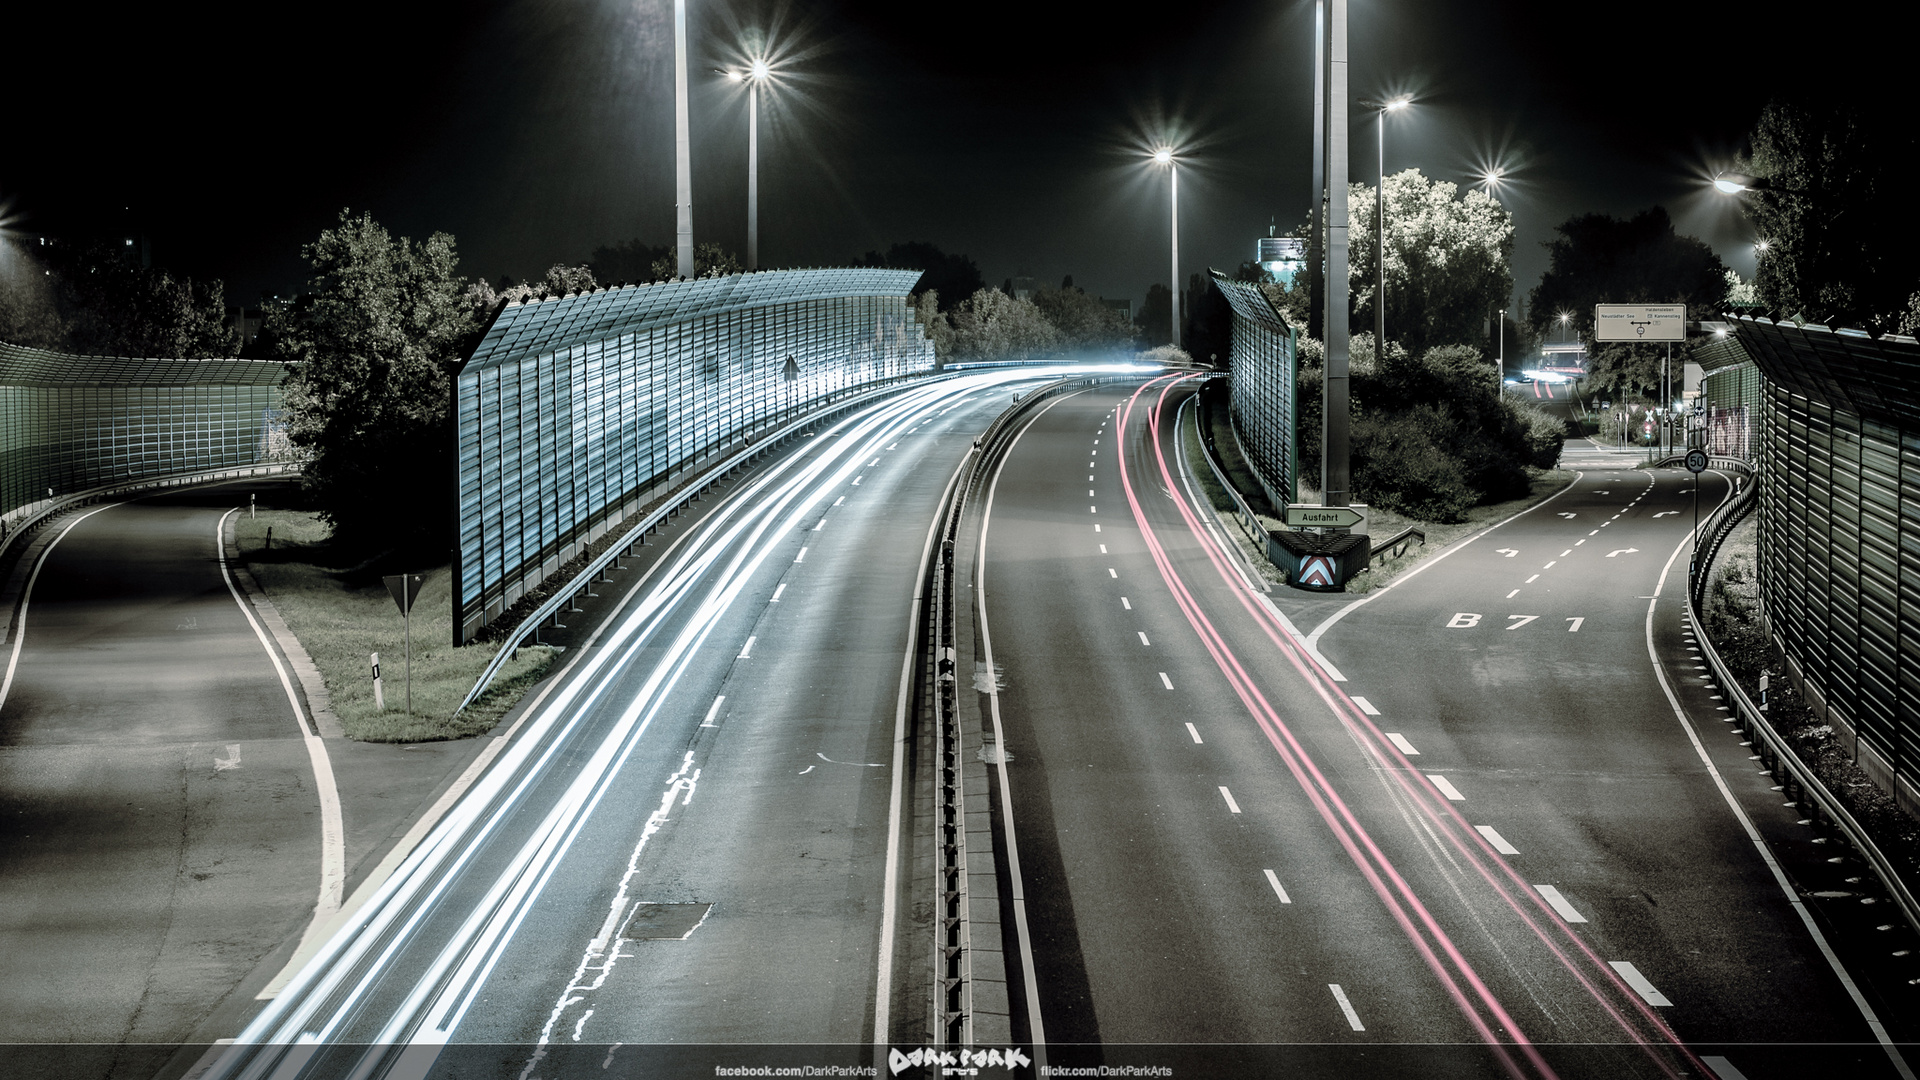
[1640,322]
[1307,515]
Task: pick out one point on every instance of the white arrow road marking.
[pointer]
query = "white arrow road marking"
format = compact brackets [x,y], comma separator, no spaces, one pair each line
[1567,514]
[1664,513]
[1621,551]
[231,761]
[1508,552]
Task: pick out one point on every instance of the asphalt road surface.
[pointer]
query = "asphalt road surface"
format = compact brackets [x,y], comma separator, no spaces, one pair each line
[1472,836]
[162,827]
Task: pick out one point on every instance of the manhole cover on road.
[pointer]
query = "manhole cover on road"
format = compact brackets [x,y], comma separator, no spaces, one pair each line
[664,922]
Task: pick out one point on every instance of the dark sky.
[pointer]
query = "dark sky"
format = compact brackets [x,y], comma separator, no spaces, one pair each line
[536,130]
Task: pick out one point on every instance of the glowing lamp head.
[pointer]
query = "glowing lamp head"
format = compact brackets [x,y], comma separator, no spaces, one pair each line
[1398,103]
[759,71]
[1163,156]
[1732,183]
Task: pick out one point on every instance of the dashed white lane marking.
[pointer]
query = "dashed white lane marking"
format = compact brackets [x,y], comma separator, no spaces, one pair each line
[1166,681]
[1143,638]
[1639,982]
[1103,549]
[1531,580]
[1559,903]
[1564,554]
[1365,705]
[777,590]
[857,479]
[822,525]
[1499,842]
[715,710]
[839,500]
[1549,566]
[1093,509]
[1595,532]
[1112,573]
[1089,490]
[1096,527]
[872,463]
[1273,879]
[1126,603]
[1195,732]
[1580,541]
[890,447]
[1513,594]
[1721,1067]
[802,557]
[1353,1018]
[1400,741]
[1228,795]
[1446,788]
[747,649]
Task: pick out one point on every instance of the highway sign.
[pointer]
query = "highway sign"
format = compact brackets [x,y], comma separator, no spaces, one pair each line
[1696,461]
[405,589]
[1639,322]
[1307,515]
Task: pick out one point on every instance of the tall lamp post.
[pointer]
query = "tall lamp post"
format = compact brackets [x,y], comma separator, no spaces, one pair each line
[1164,156]
[1380,230]
[755,74]
[682,146]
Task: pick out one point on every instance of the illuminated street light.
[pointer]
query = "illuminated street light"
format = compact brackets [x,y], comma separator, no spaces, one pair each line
[1164,156]
[757,72]
[1380,230]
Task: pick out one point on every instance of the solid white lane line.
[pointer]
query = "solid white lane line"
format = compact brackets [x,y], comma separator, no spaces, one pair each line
[1195,732]
[1639,982]
[26,595]
[1400,741]
[1559,903]
[1274,880]
[802,557]
[1353,1018]
[1143,638]
[1446,787]
[1125,603]
[1168,683]
[714,711]
[1228,795]
[1499,842]
[777,590]
[1365,705]
[746,649]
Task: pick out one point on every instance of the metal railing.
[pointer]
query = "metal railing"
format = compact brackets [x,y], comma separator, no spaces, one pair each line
[1242,512]
[1796,777]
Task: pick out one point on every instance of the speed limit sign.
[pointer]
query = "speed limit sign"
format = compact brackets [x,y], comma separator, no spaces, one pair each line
[1696,461]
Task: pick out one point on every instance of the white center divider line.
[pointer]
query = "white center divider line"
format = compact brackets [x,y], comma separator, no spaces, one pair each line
[1143,638]
[1499,842]
[1513,594]
[1089,490]
[1559,903]
[1093,509]
[1112,573]
[1400,741]
[1353,1018]
[1166,681]
[1639,982]
[1096,526]
[1273,879]
[1446,787]
[1195,732]
[715,710]
[802,557]
[1228,795]
[746,649]
[1531,580]
[1103,549]
[1125,603]
[1365,705]
[777,590]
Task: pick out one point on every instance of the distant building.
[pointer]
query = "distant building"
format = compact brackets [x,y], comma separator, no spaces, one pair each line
[1022,288]
[1281,256]
[1124,307]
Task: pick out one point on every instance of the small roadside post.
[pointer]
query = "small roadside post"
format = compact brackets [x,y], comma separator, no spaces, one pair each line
[379,696]
[405,589]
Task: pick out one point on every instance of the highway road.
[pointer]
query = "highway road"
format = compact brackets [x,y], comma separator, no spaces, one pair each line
[1485,822]
[163,832]
[694,838]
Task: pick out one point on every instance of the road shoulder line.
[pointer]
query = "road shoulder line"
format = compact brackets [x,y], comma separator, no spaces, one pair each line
[319,704]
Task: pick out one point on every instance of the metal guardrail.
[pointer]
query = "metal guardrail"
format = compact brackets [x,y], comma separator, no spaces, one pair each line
[1775,752]
[27,522]
[1243,513]
[1398,542]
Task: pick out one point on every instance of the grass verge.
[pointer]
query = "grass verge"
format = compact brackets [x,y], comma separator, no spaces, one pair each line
[342,615]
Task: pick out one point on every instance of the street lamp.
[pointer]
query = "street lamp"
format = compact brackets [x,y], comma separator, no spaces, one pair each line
[756,73]
[1380,232]
[1164,156]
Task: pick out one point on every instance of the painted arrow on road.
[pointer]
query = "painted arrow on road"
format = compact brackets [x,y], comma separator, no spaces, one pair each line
[1621,551]
[1508,552]
[1664,513]
[1566,514]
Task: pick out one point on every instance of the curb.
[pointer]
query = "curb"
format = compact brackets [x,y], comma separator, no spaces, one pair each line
[312,687]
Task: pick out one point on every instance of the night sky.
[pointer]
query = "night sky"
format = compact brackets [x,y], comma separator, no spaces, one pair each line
[536,130]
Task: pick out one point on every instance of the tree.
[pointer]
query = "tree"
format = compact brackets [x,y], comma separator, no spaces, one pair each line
[371,344]
[952,276]
[1155,320]
[1083,322]
[991,325]
[709,260]
[105,303]
[1449,260]
[1598,259]
[1834,211]
[29,315]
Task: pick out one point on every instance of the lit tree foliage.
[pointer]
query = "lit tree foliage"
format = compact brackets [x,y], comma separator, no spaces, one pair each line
[1449,260]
